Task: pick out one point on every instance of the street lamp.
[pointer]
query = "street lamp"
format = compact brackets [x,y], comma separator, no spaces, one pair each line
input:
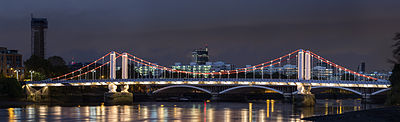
[17,71]
[94,74]
[31,71]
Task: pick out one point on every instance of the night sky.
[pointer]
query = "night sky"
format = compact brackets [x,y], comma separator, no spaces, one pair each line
[238,32]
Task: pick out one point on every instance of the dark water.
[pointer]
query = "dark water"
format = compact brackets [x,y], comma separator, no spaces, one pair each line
[269,110]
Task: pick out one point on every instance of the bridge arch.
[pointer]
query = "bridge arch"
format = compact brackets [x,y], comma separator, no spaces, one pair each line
[380,91]
[182,86]
[262,87]
[347,89]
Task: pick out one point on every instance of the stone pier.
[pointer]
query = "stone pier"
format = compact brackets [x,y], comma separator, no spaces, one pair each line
[287,97]
[304,100]
[118,98]
[112,97]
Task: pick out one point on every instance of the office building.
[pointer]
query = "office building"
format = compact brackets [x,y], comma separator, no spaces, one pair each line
[200,56]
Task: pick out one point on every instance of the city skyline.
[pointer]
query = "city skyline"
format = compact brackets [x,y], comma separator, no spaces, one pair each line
[350,38]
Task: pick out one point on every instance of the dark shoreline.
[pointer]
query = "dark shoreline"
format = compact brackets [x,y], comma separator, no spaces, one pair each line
[385,114]
[12,103]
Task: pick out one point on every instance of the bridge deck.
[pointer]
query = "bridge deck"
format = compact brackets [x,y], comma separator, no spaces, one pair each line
[214,81]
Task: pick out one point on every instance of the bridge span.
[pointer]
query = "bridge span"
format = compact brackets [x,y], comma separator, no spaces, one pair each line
[310,70]
[281,86]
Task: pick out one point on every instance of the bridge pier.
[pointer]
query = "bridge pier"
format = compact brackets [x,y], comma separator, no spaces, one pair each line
[125,88]
[366,98]
[112,97]
[215,96]
[304,97]
[287,97]
[34,95]
[304,100]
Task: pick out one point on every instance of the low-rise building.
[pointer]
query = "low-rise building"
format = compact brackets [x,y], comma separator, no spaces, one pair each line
[380,75]
[10,62]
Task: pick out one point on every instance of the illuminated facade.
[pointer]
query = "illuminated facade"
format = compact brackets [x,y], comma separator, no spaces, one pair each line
[287,69]
[10,60]
[322,72]
[380,75]
[200,56]
[207,68]
[147,71]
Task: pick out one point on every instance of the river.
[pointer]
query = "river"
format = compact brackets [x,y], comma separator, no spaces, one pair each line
[268,110]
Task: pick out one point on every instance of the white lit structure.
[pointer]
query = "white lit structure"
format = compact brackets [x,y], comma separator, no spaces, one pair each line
[207,68]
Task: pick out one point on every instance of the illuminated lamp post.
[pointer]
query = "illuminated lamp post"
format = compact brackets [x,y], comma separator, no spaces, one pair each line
[31,71]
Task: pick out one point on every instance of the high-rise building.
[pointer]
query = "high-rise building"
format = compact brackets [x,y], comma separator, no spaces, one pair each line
[361,68]
[200,56]
[38,35]
[10,61]
[201,64]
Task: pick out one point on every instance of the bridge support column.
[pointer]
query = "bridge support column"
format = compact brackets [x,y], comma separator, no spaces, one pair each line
[214,96]
[112,65]
[307,66]
[300,64]
[125,88]
[366,98]
[287,97]
[125,71]
[112,88]
[124,66]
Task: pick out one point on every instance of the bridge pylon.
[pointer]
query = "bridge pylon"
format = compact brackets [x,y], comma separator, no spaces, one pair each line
[125,71]
[112,87]
[307,66]
[113,64]
[304,65]
[124,66]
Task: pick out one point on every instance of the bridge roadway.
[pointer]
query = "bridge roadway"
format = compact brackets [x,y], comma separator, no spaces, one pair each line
[215,81]
[363,88]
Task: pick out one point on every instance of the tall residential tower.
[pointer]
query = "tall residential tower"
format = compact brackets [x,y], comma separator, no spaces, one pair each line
[38,34]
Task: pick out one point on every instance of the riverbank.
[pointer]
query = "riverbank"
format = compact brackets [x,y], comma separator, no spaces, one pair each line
[386,114]
[12,103]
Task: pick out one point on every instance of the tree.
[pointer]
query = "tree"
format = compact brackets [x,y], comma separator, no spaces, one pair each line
[52,67]
[394,94]
[57,66]
[39,65]
[56,61]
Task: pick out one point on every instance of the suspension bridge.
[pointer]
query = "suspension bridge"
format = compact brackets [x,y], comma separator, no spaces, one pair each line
[309,70]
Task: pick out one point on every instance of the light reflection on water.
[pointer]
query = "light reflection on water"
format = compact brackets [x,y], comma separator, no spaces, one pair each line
[270,110]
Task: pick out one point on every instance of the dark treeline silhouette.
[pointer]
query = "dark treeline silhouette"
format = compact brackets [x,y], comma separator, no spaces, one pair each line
[394,94]
[45,68]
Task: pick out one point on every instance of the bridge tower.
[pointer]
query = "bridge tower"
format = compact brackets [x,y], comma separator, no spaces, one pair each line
[124,66]
[111,86]
[125,71]
[112,65]
[307,65]
[303,65]
[300,65]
